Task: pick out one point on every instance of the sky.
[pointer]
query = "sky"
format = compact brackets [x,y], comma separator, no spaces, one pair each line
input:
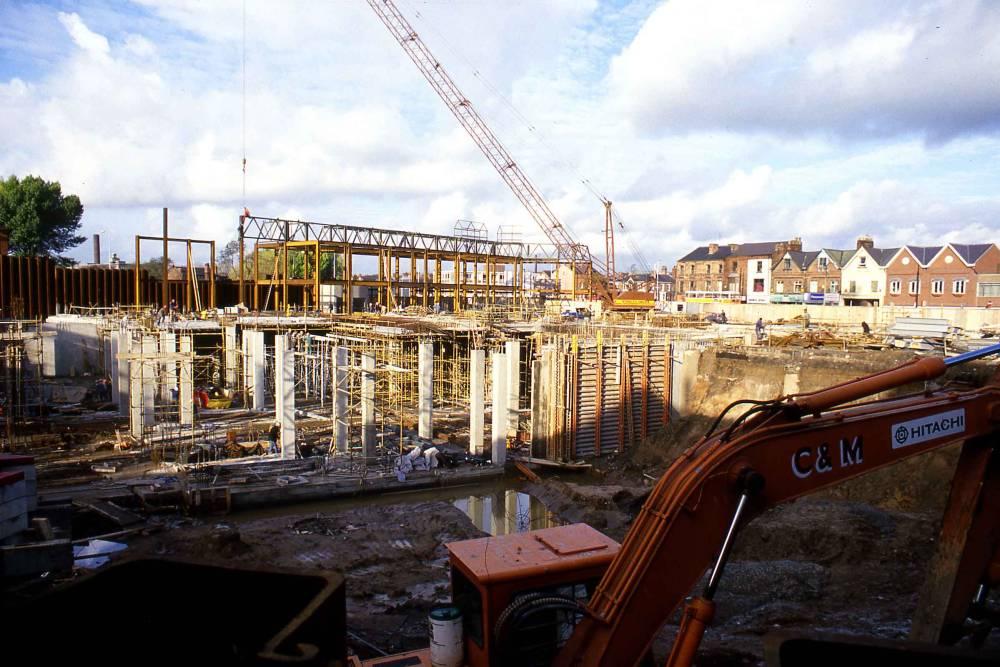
[702,120]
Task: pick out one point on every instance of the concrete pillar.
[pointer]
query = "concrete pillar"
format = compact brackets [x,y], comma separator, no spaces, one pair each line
[513,352]
[247,361]
[284,395]
[368,404]
[119,374]
[425,402]
[259,361]
[477,401]
[500,418]
[149,354]
[168,376]
[340,396]
[232,358]
[133,395]
[683,376]
[185,395]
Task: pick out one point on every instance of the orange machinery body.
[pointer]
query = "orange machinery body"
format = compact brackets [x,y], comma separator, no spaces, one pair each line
[487,573]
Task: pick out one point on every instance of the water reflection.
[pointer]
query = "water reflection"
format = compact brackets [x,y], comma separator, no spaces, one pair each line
[506,512]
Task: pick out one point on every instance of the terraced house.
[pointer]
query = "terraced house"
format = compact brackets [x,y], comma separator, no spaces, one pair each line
[808,276]
[953,274]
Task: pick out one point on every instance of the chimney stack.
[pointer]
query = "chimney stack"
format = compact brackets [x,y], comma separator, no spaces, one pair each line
[795,244]
[713,248]
[865,241]
[97,248]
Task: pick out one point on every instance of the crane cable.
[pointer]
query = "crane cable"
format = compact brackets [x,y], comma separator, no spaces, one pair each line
[244,82]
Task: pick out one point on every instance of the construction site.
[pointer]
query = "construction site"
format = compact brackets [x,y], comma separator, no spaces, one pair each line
[388,447]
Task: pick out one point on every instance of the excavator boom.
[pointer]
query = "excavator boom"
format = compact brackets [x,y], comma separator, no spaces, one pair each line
[792,448]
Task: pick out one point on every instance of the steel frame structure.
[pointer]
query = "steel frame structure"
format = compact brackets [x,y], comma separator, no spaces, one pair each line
[423,282]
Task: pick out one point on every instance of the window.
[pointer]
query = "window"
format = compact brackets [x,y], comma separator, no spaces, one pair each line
[813,286]
[760,268]
[914,287]
[834,285]
[708,269]
[722,267]
[853,287]
[758,284]
[937,286]
[788,264]
[798,287]
[862,261]
[823,263]
[895,286]
[988,289]
[958,287]
[779,286]
[874,286]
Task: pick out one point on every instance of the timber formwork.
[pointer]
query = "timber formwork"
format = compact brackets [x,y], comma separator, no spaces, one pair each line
[599,396]
[292,261]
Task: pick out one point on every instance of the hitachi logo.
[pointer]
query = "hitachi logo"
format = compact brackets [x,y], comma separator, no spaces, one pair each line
[928,428]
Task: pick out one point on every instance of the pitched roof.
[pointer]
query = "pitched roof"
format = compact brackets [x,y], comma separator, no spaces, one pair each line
[664,278]
[882,255]
[923,254]
[799,259]
[751,249]
[840,257]
[970,254]
[701,253]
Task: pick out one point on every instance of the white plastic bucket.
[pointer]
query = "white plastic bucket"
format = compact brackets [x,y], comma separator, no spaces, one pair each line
[447,649]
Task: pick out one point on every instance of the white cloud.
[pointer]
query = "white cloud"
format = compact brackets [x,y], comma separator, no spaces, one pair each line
[84,37]
[851,68]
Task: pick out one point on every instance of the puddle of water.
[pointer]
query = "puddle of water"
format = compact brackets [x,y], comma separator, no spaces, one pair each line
[506,511]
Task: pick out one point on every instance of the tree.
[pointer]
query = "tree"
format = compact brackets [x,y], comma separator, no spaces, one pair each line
[155,267]
[40,220]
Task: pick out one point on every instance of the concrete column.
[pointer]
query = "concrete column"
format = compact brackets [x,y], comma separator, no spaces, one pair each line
[259,361]
[340,396]
[791,382]
[683,377]
[368,404]
[247,361]
[119,374]
[149,354]
[513,353]
[168,345]
[425,402]
[232,358]
[477,401]
[133,395]
[185,395]
[284,394]
[500,418]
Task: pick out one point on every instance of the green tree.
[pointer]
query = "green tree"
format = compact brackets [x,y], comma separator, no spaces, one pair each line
[155,267]
[40,220]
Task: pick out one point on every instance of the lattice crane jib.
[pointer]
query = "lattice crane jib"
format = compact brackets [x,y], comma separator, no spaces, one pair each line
[569,249]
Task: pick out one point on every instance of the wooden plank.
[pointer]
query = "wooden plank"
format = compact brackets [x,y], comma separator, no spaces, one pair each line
[527,472]
[110,511]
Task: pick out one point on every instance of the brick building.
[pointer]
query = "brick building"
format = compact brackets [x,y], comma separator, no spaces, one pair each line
[950,275]
[816,273]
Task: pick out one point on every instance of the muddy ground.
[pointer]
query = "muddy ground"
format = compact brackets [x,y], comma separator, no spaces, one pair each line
[831,563]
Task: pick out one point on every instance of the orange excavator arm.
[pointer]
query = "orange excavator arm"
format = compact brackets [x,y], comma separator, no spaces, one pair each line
[783,450]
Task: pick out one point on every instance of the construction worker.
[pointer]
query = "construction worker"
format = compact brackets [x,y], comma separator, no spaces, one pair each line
[272,435]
